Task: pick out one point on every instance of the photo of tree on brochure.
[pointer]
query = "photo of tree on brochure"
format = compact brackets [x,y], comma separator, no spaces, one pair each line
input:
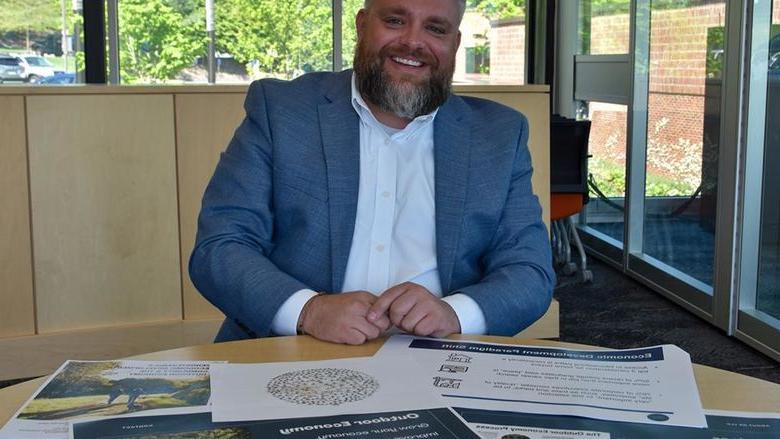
[111,388]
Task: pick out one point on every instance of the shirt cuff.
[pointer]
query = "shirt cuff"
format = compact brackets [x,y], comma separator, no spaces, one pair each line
[285,321]
[470,315]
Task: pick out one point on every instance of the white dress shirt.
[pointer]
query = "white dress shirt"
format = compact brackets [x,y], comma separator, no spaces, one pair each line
[395,228]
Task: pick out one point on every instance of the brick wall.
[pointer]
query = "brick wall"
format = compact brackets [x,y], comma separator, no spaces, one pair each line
[609,34]
[507,51]
[608,132]
[675,135]
[678,53]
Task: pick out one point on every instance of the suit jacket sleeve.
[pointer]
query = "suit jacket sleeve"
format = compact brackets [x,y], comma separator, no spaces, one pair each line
[518,279]
[229,264]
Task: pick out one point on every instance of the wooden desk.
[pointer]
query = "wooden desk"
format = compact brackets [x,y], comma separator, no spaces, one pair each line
[718,389]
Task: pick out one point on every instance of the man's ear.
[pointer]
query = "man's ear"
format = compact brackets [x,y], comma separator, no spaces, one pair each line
[360,22]
[457,41]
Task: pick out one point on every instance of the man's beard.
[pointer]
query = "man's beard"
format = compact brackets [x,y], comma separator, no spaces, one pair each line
[403,98]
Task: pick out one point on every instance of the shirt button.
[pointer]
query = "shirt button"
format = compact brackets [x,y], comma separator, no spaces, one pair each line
[386,194]
[388,141]
[380,248]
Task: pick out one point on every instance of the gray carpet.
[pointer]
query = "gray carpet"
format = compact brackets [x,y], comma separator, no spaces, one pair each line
[617,312]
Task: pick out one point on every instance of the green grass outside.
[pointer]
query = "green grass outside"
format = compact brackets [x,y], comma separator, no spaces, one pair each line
[611,180]
[10,50]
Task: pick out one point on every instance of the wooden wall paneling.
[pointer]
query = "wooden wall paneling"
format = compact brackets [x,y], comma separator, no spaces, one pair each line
[536,107]
[204,125]
[16,279]
[104,210]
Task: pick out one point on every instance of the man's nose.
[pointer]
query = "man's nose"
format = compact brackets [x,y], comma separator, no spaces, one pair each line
[413,37]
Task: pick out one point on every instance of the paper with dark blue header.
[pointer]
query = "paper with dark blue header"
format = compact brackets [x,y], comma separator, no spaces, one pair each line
[653,385]
[440,423]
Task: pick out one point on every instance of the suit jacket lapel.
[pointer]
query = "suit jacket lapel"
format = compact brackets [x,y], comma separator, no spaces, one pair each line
[339,127]
[451,146]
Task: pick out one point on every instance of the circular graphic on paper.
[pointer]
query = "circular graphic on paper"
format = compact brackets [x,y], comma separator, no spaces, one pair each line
[326,386]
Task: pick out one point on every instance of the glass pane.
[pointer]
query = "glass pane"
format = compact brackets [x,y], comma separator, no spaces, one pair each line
[768,298]
[607,168]
[350,9]
[686,52]
[166,41]
[40,42]
[604,26]
[272,38]
[492,46]
[604,29]
[162,42]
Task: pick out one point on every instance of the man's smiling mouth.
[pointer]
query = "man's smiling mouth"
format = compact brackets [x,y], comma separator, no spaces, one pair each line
[407,62]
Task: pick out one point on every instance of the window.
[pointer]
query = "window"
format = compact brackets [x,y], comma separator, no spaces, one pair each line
[271,38]
[768,294]
[759,299]
[478,60]
[350,9]
[604,30]
[40,41]
[683,134]
[166,41]
[492,47]
[604,26]
[607,168]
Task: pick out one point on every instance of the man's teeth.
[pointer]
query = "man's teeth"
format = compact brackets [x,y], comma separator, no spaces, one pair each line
[407,62]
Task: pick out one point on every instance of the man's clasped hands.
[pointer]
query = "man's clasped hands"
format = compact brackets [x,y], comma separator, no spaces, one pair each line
[358,316]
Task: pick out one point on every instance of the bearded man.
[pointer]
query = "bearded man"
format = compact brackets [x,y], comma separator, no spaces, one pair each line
[348,204]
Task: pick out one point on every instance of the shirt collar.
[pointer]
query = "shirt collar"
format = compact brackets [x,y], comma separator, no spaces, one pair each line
[367,116]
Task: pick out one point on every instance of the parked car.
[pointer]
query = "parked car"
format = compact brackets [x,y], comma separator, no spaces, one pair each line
[37,67]
[33,67]
[11,69]
[59,78]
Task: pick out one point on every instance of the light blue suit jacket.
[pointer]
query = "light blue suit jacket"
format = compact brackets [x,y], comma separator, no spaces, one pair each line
[279,212]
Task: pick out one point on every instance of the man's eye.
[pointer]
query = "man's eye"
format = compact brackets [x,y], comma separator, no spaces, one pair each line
[437,30]
[393,20]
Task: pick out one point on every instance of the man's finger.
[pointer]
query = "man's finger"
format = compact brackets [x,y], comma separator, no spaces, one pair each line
[354,337]
[384,301]
[413,318]
[383,323]
[402,306]
[429,325]
[367,328]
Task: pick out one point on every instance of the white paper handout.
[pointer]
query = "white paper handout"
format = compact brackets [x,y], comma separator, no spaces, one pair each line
[101,389]
[242,392]
[653,385]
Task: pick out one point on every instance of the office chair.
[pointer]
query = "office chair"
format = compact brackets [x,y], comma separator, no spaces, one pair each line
[568,191]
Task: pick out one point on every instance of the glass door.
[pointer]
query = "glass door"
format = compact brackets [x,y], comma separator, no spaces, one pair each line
[684,86]
[758,319]
[684,165]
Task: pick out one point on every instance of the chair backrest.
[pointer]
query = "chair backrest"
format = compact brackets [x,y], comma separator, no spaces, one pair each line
[569,155]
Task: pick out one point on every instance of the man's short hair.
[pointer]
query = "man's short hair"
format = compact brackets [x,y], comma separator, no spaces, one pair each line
[461,7]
